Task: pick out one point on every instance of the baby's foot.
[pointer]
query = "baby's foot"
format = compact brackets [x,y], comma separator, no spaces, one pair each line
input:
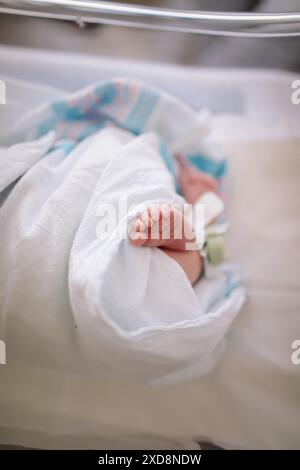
[162,225]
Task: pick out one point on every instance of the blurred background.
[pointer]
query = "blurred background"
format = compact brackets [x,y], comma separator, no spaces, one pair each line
[279,53]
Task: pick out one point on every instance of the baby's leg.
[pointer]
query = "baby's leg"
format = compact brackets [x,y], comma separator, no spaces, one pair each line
[190,261]
[194,183]
[165,227]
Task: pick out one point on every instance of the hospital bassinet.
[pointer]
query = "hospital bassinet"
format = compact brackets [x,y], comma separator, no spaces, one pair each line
[251,400]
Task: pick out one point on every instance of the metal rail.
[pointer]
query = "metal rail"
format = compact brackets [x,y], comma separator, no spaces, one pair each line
[188,21]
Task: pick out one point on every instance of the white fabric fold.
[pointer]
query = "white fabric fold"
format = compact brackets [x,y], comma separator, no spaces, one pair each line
[89,294]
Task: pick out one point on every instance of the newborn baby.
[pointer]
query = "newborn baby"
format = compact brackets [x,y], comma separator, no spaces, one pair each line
[159,225]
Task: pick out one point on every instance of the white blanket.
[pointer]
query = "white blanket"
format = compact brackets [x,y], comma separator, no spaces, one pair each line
[76,299]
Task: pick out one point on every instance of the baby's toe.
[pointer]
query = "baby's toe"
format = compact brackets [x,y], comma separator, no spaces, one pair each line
[146,219]
[137,233]
[137,239]
[154,213]
[139,225]
[165,210]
